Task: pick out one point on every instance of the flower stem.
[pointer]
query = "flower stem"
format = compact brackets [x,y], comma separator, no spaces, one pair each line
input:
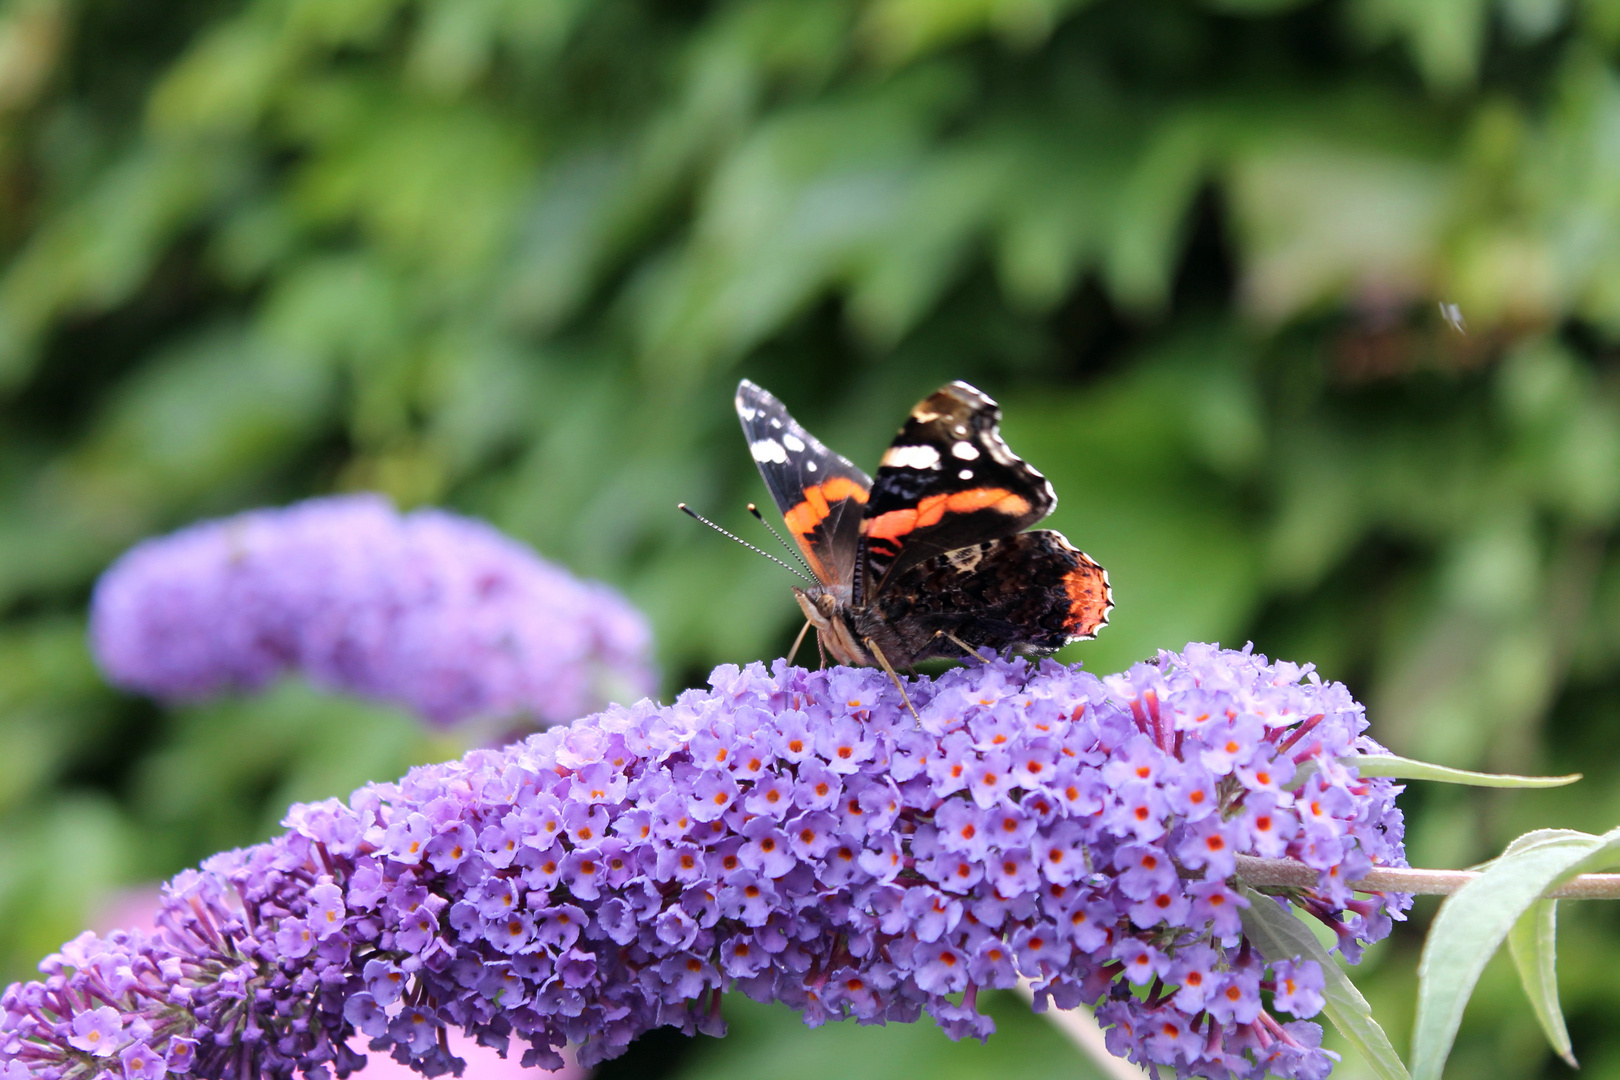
[1288,872]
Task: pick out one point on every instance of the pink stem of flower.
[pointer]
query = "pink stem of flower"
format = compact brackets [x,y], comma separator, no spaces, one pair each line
[1142,723]
[1299,733]
[1277,1029]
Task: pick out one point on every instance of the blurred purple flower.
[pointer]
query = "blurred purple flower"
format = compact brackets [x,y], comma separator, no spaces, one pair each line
[599,880]
[430,610]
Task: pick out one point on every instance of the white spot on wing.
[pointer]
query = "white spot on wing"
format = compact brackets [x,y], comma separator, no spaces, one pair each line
[965,450]
[965,474]
[968,390]
[747,412]
[809,466]
[793,442]
[768,450]
[776,421]
[997,446]
[911,457]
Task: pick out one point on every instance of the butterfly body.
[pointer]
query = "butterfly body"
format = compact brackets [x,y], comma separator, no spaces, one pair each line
[929,557]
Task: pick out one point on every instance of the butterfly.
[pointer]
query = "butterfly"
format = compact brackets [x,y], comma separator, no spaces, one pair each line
[929,558]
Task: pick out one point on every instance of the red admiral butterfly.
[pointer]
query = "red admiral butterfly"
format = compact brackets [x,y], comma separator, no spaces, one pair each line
[927,560]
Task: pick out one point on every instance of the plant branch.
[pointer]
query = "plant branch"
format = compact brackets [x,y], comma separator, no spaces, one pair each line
[1287,872]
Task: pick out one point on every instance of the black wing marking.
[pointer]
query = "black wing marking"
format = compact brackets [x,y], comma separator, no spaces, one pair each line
[947,481]
[820,494]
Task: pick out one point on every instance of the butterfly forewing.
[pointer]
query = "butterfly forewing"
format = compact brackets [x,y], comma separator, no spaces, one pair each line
[821,495]
[948,481]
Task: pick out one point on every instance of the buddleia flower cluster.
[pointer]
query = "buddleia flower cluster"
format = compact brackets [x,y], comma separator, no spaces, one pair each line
[794,836]
[430,610]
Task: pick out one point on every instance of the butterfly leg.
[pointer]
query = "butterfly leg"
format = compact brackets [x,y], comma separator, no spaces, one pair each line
[799,641]
[964,646]
[883,661]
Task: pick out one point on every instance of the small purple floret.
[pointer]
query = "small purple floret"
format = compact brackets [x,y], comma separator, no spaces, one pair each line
[430,610]
[600,880]
[96,1031]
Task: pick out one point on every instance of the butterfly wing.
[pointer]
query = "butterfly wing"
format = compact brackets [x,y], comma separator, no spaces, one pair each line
[1031,592]
[820,494]
[948,481]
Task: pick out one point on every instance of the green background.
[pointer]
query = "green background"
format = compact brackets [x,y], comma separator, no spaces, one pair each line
[512,255]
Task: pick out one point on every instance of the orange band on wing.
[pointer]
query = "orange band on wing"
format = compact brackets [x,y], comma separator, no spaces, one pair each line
[1090,599]
[802,519]
[932,510]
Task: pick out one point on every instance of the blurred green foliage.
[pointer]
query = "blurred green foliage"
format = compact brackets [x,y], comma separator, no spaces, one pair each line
[512,255]
[772,1043]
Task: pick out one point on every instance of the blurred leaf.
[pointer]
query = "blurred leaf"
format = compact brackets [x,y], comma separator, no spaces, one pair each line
[563,235]
[434,186]
[217,409]
[1446,37]
[1181,563]
[224,83]
[900,30]
[54,863]
[1150,218]
[790,213]
[51,707]
[97,252]
[459,39]
[773,1043]
[291,743]
[31,40]
[1319,221]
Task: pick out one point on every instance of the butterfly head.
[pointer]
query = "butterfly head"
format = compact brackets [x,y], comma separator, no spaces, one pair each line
[826,606]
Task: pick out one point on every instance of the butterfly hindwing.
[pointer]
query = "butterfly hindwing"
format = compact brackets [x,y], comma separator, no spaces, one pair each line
[948,481]
[820,494]
[1032,592]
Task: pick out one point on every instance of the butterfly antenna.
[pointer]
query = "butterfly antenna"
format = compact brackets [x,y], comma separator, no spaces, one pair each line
[689,512]
[797,554]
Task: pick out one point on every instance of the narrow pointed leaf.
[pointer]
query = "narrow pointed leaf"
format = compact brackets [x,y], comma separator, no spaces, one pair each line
[1279,934]
[1538,837]
[1541,836]
[1532,942]
[1471,926]
[1400,768]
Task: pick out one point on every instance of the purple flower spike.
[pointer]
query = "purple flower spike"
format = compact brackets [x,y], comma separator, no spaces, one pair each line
[430,610]
[600,880]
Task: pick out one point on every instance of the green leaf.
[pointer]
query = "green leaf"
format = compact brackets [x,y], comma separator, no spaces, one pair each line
[1471,926]
[1406,769]
[1533,943]
[1280,935]
[1538,837]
